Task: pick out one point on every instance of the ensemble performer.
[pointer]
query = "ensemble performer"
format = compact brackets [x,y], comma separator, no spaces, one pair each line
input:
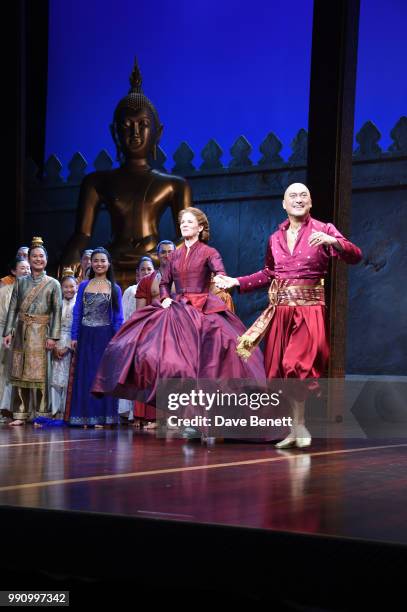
[297,261]
[82,270]
[145,269]
[148,288]
[20,268]
[61,355]
[190,335]
[21,254]
[97,316]
[32,328]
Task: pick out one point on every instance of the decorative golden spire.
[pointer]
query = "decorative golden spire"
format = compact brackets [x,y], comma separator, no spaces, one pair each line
[135,78]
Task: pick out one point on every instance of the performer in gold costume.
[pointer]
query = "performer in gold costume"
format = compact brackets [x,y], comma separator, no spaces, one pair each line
[32,328]
[135,195]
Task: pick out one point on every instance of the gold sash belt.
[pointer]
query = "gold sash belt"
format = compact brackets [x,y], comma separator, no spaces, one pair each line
[30,319]
[286,292]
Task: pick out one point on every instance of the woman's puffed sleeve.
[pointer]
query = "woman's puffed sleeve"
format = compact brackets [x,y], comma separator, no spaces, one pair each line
[215,262]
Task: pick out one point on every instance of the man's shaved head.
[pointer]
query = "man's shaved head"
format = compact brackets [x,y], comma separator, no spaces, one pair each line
[296,188]
[297,201]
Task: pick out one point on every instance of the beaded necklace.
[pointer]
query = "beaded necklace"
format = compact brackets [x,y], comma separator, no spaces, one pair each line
[97,283]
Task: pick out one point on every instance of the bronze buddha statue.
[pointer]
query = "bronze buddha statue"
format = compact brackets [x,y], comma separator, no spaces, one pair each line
[135,195]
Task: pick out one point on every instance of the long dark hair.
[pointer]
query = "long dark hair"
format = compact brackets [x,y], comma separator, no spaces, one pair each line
[109,276]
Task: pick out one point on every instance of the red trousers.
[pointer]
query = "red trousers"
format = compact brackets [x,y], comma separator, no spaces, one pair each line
[296,343]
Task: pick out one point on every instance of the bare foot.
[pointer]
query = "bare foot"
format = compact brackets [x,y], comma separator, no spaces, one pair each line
[17,422]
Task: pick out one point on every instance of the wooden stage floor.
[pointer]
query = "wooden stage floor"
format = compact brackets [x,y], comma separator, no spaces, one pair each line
[342,488]
[115,515]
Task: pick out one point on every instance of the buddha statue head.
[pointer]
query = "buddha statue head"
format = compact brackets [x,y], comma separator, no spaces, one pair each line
[136,127]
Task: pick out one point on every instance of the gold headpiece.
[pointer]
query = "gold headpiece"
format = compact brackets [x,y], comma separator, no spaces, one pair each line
[36,242]
[68,272]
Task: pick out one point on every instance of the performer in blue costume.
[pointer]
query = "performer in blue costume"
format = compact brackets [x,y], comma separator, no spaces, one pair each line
[97,316]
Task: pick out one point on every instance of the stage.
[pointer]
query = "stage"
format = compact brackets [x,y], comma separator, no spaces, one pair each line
[105,507]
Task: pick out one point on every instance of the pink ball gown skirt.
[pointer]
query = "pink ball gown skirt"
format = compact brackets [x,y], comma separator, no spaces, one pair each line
[182,341]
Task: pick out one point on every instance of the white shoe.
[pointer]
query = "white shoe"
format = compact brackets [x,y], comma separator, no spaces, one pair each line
[288,442]
[189,433]
[303,439]
[208,440]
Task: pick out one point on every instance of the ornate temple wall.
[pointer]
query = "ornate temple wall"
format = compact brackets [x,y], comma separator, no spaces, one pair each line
[243,203]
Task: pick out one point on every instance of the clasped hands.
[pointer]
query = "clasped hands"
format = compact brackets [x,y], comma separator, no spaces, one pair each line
[58,353]
[225,282]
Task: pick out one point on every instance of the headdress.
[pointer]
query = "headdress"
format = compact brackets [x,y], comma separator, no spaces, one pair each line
[68,272]
[37,242]
[136,99]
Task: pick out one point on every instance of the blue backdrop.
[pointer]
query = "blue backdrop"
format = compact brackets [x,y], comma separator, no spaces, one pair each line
[213,69]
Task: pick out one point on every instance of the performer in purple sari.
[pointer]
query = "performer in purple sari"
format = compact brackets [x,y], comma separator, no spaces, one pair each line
[192,336]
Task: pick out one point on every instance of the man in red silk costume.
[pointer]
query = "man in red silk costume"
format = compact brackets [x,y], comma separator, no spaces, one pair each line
[296,264]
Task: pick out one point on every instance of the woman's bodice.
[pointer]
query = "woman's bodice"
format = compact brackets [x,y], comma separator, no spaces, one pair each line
[96,309]
[191,270]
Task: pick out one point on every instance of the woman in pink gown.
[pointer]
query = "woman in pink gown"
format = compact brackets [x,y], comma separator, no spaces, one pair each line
[190,337]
